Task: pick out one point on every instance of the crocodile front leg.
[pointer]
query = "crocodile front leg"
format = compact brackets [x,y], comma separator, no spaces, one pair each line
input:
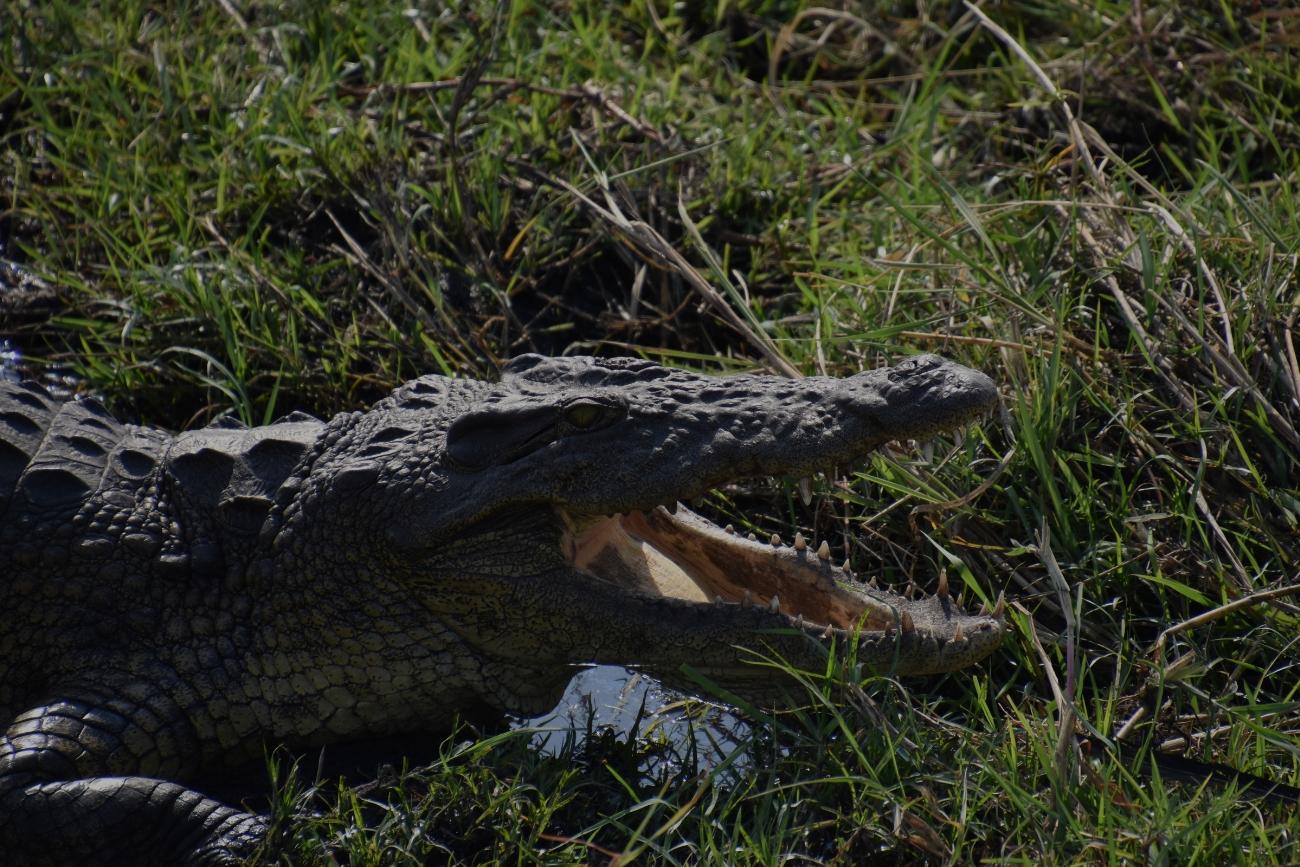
[82,782]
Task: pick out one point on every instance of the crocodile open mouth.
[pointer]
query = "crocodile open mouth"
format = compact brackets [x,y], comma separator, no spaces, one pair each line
[676,554]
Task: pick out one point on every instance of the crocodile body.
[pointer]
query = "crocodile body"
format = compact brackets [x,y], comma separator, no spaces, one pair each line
[176,602]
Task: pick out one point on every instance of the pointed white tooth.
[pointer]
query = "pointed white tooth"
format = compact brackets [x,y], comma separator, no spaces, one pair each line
[718,600]
[731,531]
[905,620]
[872,583]
[1000,607]
[798,622]
[747,600]
[956,634]
[775,540]
[800,543]
[824,551]
[827,633]
[943,584]
[805,490]
[751,537]
[774,604]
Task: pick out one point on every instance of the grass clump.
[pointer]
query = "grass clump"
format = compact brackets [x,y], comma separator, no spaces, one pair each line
[253,208]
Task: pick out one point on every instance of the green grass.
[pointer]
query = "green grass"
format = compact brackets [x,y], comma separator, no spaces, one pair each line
[265,207]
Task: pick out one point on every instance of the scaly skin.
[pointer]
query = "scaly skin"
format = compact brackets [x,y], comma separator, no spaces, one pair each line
[176,603]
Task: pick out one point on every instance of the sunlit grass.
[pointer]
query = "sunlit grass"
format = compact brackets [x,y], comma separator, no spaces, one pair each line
[250,209]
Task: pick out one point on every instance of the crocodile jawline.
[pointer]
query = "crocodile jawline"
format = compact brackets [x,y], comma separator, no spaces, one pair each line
[680,555]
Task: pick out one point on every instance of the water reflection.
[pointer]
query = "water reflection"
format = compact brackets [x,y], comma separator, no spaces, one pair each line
[611,699]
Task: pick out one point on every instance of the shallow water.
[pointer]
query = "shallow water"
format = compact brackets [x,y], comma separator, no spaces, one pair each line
[611,697]
[10,359]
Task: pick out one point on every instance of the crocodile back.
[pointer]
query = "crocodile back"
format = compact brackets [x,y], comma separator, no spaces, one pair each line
[25,413]
[55,457]
[117,538]
[53,454]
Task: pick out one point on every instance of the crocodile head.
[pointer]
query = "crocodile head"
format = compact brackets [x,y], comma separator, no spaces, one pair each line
[538,518]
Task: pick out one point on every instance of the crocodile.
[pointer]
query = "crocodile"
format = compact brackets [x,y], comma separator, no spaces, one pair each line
[175,603]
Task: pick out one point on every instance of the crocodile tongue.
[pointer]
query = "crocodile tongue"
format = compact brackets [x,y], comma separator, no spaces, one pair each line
[724,566]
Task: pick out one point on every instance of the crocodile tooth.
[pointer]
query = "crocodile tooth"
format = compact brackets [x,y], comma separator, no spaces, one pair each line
[747,600]
[984,610]
[775,540]
[730,530]
[752,537]
[872,583]
[800,543]
[827,633]
[1000,607]
[956,633]
[824,551]
[774,604]
[798,622]
[905,620]
[718,600]
[910,590]
[943,585]
[805,490]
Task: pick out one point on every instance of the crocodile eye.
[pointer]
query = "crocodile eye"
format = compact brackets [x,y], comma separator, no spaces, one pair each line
[584,414]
